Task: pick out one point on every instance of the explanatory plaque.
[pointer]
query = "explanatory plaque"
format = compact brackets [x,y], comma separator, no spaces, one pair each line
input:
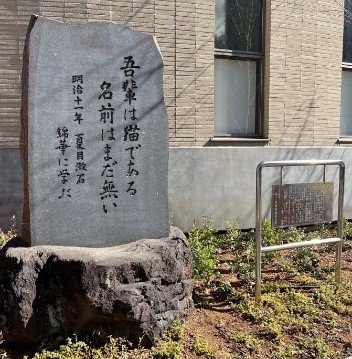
[95,135]
[301,204]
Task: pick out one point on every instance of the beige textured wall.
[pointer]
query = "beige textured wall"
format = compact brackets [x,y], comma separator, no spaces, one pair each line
[184,30]
[303,73]
[302,63]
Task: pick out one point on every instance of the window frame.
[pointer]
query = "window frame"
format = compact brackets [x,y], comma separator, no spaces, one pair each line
[257,57]
[345,66]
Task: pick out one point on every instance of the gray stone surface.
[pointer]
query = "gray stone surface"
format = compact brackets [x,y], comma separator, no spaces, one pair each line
[97,140]
[132,290]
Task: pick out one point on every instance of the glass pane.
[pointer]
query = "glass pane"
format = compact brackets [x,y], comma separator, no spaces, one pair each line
[347,33]
[235,96]
[238,25]
[346,104]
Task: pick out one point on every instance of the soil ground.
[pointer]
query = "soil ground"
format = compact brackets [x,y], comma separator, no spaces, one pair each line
[220,325]
[303,314]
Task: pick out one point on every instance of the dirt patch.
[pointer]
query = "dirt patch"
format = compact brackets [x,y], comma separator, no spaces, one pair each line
[303,314]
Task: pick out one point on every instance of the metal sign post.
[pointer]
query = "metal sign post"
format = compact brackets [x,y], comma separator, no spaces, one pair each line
[258,233]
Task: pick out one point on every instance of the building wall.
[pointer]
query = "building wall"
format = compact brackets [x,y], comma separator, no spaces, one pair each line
[303,73]
[302,84]
[302,77]
[184,31]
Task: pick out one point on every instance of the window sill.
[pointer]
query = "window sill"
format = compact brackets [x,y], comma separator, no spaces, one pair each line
[240,140]
[344,140]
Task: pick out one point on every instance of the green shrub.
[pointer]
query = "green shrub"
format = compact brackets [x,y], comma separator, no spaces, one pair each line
[204,246]
[201,347]
[11,233]
[347,228]
[270,236]
[168,350]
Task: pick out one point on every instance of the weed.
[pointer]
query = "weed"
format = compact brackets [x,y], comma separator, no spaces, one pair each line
[72,349]
[175,332]
[249,341]
[321,230]
[249,309]
[347,233]
[222,323]
[299,303]
[273,329]
[201,347]
[168,349]
[347,228]
[99,347]
[270,237]
[316,348]
[344,293]
[325,295]
[203,244]
[204,303]
[288,321]
[305,279]
[232,237]
[244,255]
[274,304]
[286,266]
[243,264]
[291,234]
[283,351]
[11,233]
[305,260]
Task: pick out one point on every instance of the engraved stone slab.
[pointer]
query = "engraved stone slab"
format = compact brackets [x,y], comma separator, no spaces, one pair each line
[95,135]
[301,204]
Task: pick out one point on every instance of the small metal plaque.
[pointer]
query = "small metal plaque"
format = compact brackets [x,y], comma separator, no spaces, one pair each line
[301,204]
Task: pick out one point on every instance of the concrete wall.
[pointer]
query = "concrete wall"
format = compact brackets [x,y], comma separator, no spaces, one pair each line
[216,182]
[220,182]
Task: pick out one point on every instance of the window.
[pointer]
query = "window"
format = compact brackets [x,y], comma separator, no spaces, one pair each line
[238,63]
[346,80]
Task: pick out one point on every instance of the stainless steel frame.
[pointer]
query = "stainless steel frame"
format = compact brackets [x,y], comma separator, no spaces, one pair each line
[258,233]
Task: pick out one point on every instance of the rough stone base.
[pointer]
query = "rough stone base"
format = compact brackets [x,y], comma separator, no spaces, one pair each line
[133,290]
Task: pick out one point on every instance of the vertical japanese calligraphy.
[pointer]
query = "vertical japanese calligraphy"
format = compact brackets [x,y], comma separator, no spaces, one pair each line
[108,193]
[131,130]
[62,135]
[95,135]
[81,166]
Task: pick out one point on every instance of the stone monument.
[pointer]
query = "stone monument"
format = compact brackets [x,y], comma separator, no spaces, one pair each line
[95,135]
[95,154]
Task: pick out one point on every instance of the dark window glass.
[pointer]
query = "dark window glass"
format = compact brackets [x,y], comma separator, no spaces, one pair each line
[238,25]
[347,33]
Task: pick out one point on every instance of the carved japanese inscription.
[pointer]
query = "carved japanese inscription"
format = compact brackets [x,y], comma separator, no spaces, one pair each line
[96,135]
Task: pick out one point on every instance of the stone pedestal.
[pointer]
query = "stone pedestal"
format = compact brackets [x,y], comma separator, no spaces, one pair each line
[133,290]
